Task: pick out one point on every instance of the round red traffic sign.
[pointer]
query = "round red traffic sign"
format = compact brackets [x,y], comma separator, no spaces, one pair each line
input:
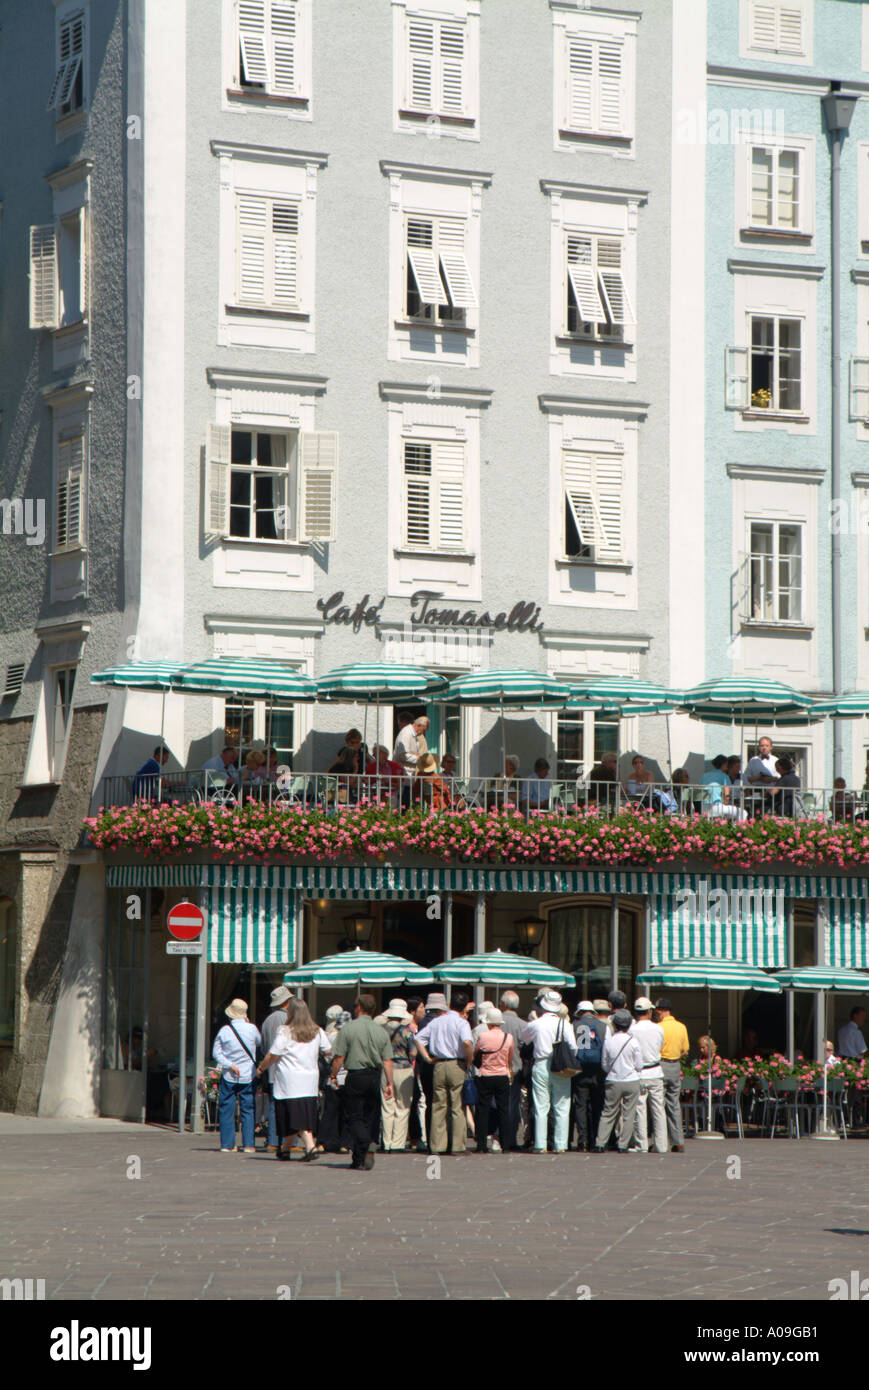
[185,921]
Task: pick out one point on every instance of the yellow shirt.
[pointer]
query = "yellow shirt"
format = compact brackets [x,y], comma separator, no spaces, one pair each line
[676,1042]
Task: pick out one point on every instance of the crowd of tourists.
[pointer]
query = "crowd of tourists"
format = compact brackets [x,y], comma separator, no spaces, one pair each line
[423,1076]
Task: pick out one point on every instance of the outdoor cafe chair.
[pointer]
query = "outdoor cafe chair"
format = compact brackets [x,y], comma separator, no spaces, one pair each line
[786,1096]
[688,1102]
[727,1104]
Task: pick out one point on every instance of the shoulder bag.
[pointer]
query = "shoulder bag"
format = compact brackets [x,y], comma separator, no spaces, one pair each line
[563,1060]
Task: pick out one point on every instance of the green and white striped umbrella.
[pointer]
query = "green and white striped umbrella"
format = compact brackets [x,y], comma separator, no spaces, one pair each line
[149,676]
[358,967]
[625,695]
[378,680]
[697,972]
[853,706]
[514,689]
[824,977]
[741,698]
[260,680]
[501,968]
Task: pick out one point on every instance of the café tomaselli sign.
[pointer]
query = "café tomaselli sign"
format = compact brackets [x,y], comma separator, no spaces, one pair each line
[522,617]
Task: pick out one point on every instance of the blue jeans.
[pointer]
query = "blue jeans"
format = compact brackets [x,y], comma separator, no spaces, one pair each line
[227,1092]
[550,1090]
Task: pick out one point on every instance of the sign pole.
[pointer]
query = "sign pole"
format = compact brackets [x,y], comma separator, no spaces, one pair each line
[182,1050]
[199,1028]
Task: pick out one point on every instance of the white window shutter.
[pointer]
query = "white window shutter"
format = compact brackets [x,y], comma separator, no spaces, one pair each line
[420,63]
[318,475]
[762,24]
[284,41]
[83,262]
[860,388]
[70,476]
[452,69]
[790,29]
[65,90]
[609,488]
[218,458]
[614,293]
[417,473]
[424,264]
[252,40]
[285,253]
[580,84]
[44,292]
[736,378]
[252,225]
[610,88]
[450,478]
[579,489]
[451,246]
[583,280]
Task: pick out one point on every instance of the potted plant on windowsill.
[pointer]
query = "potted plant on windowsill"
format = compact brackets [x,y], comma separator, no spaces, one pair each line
[761,399]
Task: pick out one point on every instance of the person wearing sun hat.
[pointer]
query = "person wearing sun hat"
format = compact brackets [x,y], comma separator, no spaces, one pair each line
[280,1000]
[549,1090]
[395,1108]
[235,1049]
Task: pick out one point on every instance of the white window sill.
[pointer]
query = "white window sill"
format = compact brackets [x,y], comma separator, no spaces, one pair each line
[775,625]
[573,339]
[68,550]
[462,122]
[789,417]
[70,124]
[457,328]
[776,234]
[618,142]
[252,541]
[260,311]
[563,562]
[260,98]
[434,554]
[70,330]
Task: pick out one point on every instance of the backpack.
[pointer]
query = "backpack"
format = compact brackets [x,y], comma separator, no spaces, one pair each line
[589,1045]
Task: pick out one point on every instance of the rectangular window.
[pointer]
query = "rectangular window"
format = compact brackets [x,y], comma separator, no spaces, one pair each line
[776,572]
[59,272]
[262,492]
[70,489]
[776,363]
[438,280]
[268,486]
[597,300]
[268,42]
[267,252]
[435,65]
[44,278]
[434,495]
[238,719]
[776,27]
[775,188]
[596,103]
[593,506]
[62,686]
[571,741]
[67,89]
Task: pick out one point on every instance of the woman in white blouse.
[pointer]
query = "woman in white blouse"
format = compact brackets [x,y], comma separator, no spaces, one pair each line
[295,1055]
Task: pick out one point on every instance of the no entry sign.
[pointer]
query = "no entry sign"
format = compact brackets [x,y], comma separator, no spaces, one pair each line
[186,921]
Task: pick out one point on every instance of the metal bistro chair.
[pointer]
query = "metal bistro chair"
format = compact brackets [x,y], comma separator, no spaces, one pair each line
[786,1096]
[727,1105]
[219,789]
[688,1101]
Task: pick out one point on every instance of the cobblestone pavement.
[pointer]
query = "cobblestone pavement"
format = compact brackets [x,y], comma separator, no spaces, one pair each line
[199,1224]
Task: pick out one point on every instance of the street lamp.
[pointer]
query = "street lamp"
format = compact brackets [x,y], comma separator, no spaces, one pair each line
[358,927]
[530,931]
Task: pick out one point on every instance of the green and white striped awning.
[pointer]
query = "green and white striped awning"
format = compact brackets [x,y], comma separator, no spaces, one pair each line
[704,973]
[257,679]
[743,924]
[823,977]
[853,706]
[501,968]
[358,967]
[253,925]
[513,689]
[140,675]
[379,680]
[846,930]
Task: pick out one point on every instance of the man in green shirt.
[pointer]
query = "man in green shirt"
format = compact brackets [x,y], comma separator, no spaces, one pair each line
[362,1047]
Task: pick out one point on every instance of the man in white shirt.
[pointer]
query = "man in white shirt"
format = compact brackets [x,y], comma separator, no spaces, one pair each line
[548,1088]
[622,1068]
[410,745]
[447,1042]
[235,1049]
[223,764]
[761,768]
[650,1036]
[850,1040]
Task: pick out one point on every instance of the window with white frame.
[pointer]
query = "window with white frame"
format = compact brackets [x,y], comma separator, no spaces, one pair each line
[69,494]
[436,65]
[438,277]
[581,740]
[597,301]
[593,486]
[266,485]
[433,494]
[270,38]
[595,64]
[775,188]
[67,89]
[267,252]
[775,363]
[62,685]
[777,28]
[775,571]
[59,272]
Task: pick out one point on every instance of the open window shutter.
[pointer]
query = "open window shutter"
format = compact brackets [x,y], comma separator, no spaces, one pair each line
[579,489]
[44,294]
[736,378]
[252,40]
[610,88]
[67,86]
[218,457]
[614,293]
[580,84]
[451,246]
[452,56]
[318,469]
[583,280]
[421,42]
[762,25]
[424,263]
[790,29]
[285,253]
[284,21]
[741,591]
[609,495]
[860,388]
[253,215]
[450,475]
[83,262]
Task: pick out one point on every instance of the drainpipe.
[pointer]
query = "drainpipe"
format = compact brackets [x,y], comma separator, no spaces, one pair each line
[838,110]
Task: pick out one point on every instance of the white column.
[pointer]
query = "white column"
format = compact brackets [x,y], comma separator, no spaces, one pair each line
[479,938]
